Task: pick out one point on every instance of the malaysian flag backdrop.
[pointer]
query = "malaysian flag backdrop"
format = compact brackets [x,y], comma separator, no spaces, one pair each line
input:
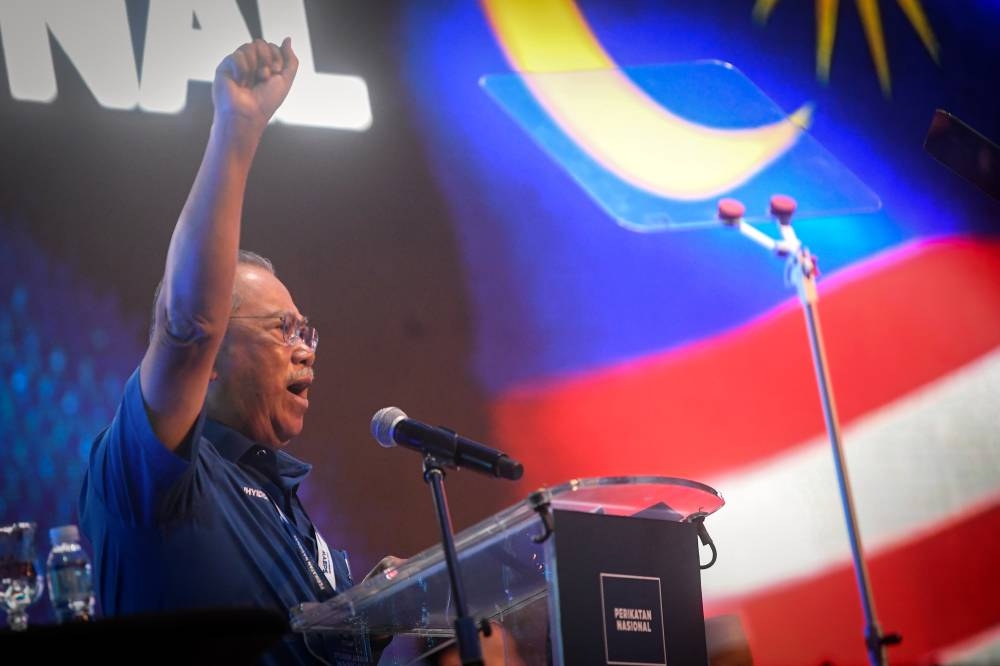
[604,351]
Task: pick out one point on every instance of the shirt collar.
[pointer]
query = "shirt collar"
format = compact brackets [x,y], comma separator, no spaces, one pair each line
[283,469]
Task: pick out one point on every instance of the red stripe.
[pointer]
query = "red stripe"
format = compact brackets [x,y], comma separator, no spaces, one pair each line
[905,320]
[935,591]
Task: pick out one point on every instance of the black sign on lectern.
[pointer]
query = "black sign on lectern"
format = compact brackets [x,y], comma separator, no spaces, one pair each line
[628,591]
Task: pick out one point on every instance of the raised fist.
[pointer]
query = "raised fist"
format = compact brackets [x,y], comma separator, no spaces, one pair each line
[251,82]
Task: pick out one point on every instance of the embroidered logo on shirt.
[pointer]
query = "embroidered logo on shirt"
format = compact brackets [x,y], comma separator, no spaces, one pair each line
[255,492]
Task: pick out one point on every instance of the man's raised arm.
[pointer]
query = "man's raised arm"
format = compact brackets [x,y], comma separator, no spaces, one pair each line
[193,306]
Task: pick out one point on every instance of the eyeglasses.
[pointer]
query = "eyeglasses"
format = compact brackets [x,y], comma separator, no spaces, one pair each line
[293,330]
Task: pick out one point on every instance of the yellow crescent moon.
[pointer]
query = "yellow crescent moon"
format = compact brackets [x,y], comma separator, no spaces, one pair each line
[616,122]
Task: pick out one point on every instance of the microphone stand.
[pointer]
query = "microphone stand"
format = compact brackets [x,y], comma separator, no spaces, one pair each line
[802,270]
[466,632]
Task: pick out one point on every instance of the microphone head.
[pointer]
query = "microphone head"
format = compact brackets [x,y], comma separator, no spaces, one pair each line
[384,422]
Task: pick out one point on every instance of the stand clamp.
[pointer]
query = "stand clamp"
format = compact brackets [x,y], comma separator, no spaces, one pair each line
[541,502]
[706,539]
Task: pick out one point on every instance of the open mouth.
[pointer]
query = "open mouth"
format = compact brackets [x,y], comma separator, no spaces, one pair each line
[300,389]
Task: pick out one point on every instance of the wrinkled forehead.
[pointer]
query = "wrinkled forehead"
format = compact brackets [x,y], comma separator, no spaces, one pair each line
[257,291]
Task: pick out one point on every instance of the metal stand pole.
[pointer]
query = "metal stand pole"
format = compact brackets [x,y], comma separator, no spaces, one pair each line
[803,271]
[466,631]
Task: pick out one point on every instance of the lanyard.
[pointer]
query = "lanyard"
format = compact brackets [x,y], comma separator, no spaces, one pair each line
[325,584]
[349,648]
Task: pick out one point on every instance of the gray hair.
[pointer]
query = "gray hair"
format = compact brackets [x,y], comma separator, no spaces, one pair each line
[242,257]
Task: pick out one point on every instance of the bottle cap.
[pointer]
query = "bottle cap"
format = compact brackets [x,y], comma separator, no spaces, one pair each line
[64,534]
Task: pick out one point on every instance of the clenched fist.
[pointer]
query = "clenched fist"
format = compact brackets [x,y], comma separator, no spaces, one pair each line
[251,82]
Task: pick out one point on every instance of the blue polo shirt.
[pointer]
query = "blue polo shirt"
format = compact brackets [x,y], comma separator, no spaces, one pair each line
[217,524]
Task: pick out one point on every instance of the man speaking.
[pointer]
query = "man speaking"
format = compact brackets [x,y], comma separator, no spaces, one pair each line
[190,500]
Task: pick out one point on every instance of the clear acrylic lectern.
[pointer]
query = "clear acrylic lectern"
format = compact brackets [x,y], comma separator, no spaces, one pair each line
[547,572]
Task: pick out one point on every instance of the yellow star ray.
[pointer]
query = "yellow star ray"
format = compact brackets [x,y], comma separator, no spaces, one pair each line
[826,33]
[915,13]
[871,21]
[762,9]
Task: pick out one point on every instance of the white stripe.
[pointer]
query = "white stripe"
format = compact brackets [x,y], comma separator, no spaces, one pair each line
[928,457]
[980,650]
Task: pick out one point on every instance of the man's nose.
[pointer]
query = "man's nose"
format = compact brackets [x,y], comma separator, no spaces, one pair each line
[303,354]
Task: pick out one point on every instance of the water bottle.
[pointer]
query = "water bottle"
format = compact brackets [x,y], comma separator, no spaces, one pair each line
[71,587]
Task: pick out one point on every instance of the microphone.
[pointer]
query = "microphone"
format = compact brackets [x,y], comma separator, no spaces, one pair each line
[391,426]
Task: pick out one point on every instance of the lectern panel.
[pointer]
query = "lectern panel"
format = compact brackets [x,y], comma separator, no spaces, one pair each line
[627,591]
